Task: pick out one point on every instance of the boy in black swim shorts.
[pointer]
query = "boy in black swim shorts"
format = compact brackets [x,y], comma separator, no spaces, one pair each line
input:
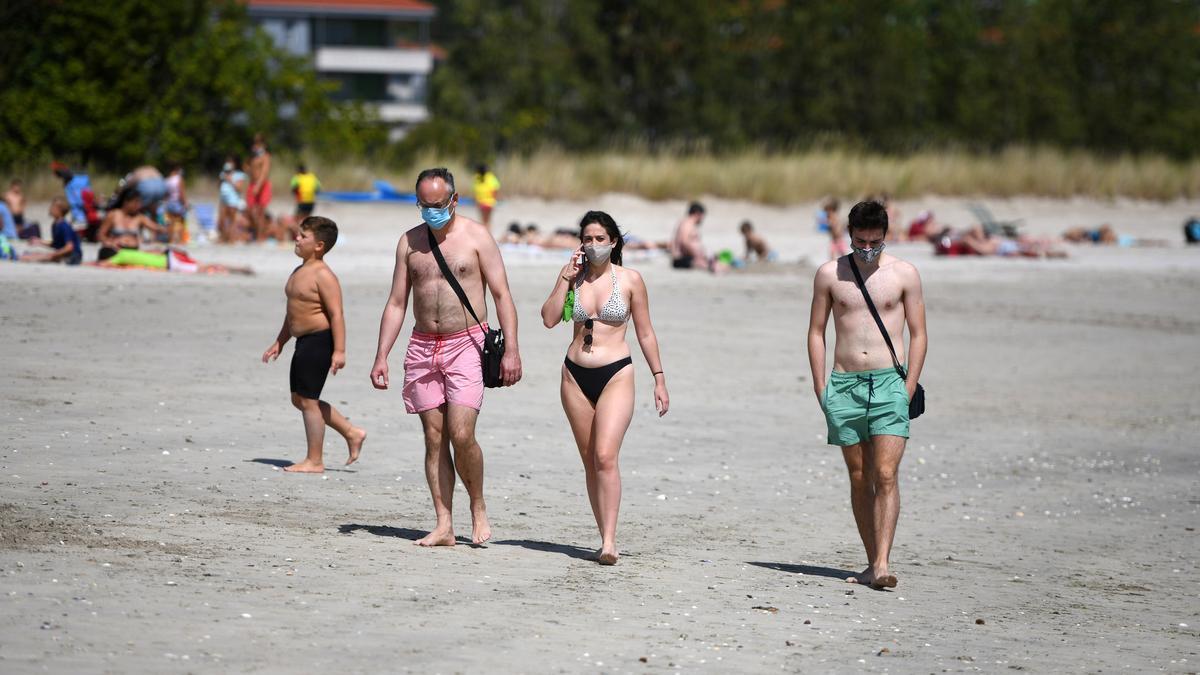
[314,317]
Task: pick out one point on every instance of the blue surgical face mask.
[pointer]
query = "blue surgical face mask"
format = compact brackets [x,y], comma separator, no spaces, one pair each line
[437,218]
[868,255]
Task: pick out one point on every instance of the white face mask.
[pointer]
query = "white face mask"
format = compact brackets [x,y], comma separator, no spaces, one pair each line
[597,254]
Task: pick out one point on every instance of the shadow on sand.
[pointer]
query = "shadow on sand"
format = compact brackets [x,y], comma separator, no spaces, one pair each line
[272,462]
[284,463]
[577,552]
[389,531]
[810,570]
[410,534]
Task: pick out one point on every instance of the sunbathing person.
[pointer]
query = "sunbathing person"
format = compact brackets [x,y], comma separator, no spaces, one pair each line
[532,235]
[1106,235]
[122,225]
[978,241]
[923,226]
[514,234]
[172,260]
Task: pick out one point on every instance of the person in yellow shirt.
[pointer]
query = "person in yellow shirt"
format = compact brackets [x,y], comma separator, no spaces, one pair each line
[487,191]
[305,186]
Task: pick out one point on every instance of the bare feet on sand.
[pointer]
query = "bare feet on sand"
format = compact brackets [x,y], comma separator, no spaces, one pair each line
[481,530]
[864,577]
[607,556]
[877,581]
[355,443]
[305,467]
[884,580]
[439,537]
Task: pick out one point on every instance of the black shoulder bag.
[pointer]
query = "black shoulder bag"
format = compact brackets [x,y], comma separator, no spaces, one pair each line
[916,406]
[493,342]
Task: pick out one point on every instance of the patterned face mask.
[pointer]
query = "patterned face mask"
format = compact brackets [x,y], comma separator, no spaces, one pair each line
[868,255]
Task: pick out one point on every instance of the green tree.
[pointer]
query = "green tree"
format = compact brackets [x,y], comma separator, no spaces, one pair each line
[121,83]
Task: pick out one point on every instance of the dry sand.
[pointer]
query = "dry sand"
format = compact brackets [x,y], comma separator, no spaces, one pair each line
[1050,494]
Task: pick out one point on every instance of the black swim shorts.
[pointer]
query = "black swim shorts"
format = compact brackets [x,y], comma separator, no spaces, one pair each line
[683,262]
[311,362]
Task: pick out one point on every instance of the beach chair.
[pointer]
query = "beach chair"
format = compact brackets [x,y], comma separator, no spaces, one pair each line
[1007,228]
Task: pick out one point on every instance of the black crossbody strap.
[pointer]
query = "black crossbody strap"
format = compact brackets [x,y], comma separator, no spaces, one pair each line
[462,295]
[875,313]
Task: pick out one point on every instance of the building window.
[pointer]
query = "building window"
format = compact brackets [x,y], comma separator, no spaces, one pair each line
[359,86]
[354,33]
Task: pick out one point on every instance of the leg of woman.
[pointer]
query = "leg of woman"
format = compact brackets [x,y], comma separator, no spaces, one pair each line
[579,415]
[614,411]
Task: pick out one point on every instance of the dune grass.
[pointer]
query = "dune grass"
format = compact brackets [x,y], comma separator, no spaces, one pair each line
[788,178]
[754,175]
[785,178]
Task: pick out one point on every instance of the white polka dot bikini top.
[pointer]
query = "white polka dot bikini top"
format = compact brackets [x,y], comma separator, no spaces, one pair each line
[613,311]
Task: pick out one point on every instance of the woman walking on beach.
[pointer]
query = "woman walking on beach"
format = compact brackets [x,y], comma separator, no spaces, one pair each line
[599,297]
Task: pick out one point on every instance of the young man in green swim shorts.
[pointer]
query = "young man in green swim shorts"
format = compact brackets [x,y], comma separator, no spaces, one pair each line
[864,399]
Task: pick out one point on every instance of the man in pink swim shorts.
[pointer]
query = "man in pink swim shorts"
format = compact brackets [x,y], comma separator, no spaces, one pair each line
[444,368]
[443,373]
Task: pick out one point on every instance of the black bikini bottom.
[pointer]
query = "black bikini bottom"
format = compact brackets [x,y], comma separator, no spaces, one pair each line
[592,381]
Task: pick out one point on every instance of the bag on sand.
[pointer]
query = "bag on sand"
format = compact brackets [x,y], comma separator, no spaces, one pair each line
[493,341]
[916,405]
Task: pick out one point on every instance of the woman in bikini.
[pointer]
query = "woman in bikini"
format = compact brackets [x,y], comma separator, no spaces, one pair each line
[122,226]
[597,376]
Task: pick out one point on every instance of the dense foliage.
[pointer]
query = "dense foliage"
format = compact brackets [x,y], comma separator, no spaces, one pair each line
[118,83]
[888,75]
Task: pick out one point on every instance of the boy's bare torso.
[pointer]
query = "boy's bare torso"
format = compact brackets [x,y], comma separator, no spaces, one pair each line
[756,245]
[436,307]
[305,313]
[859,345]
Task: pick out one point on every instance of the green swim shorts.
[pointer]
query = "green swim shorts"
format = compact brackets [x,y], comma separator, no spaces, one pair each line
[864,404]
[136,258]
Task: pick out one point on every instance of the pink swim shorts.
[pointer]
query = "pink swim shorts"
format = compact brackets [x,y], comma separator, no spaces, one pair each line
[444,368]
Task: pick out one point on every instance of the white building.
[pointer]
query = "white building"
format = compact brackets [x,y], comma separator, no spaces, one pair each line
[378,51]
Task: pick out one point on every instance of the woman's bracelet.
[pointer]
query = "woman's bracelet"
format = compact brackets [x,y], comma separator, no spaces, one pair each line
[657,372]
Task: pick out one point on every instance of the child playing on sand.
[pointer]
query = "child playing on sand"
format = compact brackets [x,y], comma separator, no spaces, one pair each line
[314,317]
[755,244]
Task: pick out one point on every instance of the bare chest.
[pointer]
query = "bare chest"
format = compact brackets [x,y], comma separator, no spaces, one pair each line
[301,287]
[424,270]
[885,290]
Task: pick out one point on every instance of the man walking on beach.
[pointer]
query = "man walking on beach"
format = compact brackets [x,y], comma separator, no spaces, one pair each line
[443,372]
[865,400]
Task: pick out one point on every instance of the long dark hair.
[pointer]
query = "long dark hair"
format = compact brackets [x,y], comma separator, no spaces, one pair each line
[610,226]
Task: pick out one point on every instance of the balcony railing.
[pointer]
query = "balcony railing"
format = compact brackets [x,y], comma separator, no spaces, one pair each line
[374,60]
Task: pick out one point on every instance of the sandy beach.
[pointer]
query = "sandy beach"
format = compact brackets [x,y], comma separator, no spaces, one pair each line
[1050,495]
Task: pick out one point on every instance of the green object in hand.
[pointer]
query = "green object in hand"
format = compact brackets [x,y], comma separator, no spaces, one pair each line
[569,306]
